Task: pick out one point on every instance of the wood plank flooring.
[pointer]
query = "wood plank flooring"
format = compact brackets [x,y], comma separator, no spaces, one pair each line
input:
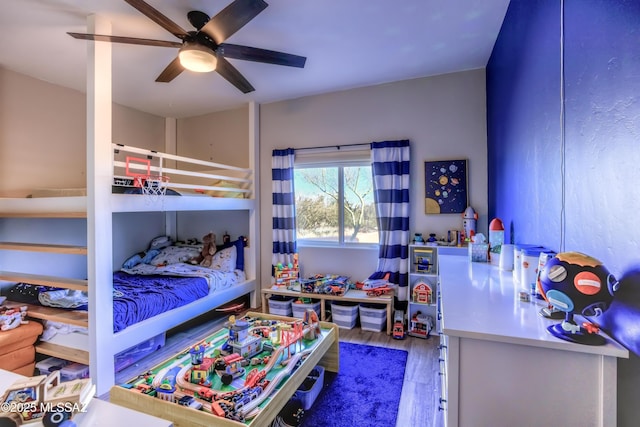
[420,391]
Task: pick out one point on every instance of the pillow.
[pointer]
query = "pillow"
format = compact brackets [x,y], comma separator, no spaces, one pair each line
[160,242]
[175,254]
[239,245]
[225,184]
[224,260]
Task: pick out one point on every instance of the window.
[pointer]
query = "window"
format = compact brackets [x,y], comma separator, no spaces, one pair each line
[334,202]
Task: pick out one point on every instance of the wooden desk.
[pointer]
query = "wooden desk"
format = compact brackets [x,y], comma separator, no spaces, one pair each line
[99,413]
[352,295]
[325,353]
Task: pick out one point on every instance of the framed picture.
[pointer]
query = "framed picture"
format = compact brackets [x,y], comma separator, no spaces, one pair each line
[445,183]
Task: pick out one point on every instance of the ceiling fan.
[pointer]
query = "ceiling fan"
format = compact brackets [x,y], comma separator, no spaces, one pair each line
[204,50]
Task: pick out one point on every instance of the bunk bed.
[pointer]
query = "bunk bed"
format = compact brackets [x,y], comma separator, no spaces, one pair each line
[220,188]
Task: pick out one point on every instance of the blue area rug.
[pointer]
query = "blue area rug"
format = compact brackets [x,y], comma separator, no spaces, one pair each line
[366,391]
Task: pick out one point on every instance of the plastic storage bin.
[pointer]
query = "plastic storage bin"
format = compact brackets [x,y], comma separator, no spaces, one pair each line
[311,387]
[300,308]
[280,305]
[133,354]
[74,371]
[372,318]
[344,314]
[50,364]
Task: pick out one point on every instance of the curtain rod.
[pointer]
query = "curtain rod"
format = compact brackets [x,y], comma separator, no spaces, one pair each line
[337,147]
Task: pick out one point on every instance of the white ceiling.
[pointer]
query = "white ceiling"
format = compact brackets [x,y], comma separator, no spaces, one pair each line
[348,44]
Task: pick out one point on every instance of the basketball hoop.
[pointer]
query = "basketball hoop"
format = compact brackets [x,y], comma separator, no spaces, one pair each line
[152,187]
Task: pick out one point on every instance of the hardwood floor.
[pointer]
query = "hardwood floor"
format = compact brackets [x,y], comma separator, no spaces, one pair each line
[420,391]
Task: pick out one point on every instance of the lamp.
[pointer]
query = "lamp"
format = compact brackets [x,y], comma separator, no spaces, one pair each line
[198,58]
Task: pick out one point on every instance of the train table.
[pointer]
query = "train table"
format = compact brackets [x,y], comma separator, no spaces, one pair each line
[242,374]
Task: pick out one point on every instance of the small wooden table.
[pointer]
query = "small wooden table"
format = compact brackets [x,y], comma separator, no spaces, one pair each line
[352,295]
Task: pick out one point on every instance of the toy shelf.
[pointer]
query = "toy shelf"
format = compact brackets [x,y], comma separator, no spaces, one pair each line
[423,289]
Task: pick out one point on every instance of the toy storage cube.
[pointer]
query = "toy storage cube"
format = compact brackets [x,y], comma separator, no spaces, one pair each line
[280,305]
[372,318]
[311,387]
[299,308]
[344,314]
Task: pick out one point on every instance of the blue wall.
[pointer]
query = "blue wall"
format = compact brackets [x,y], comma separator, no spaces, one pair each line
[570,180]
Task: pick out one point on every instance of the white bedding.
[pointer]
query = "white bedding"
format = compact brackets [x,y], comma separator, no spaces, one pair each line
[217,279]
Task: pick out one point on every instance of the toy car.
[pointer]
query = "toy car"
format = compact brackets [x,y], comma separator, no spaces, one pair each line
[44,398]
[398,325]
[379,291]
[189,401]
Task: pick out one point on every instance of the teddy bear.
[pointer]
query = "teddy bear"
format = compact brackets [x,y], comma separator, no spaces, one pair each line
[205,257]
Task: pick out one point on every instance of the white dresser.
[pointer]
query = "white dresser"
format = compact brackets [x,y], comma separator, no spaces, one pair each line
[501,367]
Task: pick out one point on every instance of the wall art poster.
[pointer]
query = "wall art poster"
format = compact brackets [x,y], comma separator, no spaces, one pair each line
[445,186]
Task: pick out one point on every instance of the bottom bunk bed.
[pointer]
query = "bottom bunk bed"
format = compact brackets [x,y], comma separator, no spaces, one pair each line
[155,291]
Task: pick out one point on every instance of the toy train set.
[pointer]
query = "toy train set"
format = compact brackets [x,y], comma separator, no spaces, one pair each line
[233,373]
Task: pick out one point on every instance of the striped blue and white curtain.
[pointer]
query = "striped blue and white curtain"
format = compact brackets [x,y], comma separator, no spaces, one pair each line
[391,166]
[284,212]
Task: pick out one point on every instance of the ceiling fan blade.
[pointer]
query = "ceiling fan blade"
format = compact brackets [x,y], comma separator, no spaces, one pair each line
[232,75]
[127,40]
[261,55]
[172,71]
[232,18]
[157,17]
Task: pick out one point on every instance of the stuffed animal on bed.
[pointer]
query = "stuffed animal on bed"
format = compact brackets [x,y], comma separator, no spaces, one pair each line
[208,251]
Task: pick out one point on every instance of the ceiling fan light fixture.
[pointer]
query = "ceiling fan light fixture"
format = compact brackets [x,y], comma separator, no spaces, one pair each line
[195,57]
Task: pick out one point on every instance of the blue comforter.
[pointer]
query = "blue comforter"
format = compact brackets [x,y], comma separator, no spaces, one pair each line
[137,298]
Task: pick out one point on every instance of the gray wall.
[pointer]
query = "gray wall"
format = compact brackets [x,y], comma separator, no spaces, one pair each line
[442,116]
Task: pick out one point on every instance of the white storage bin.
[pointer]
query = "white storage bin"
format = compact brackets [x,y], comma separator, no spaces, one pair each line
[345,315]
[299,308]
[50,364]
[280,305]
[308,396]
[372,318]
[132,355]
[74,371]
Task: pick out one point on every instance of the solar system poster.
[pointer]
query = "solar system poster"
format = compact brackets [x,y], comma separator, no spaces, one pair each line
[445,186]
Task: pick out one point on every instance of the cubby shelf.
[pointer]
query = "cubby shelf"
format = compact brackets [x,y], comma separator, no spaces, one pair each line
[44,280]
[38,247]
[63,352]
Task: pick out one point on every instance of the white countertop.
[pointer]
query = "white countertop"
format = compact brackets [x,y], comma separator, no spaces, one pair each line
[480,301]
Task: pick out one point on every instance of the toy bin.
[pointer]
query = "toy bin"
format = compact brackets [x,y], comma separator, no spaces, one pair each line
[299,308]
[74,371]
[280,305]
[372,318]
[311,387]
[133,354]
[50,364]
[344,314]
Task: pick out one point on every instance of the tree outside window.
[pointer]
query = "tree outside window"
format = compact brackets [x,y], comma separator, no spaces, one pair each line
[334,204]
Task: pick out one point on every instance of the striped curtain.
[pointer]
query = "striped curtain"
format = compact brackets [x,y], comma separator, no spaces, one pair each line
[390,166]
[284,212]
